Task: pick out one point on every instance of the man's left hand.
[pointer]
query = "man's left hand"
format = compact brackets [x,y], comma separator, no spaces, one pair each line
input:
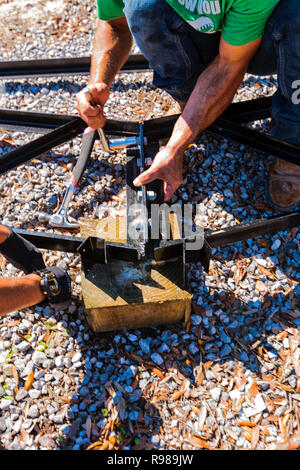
[166,167]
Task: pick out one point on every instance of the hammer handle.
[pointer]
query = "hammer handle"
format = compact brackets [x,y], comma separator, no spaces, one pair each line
[87,143]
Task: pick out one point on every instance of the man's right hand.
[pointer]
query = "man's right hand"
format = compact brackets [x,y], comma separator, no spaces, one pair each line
[90,103]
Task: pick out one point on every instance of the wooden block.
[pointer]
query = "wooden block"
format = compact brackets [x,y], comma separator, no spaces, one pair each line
[123,295]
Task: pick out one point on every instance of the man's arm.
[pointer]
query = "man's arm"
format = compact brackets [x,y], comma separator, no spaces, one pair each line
[112,46]
[19,293]
[213,92]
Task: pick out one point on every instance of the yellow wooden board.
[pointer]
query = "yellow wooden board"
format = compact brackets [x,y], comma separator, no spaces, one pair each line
[122,295]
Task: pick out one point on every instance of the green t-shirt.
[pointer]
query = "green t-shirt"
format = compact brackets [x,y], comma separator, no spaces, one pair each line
[241,21]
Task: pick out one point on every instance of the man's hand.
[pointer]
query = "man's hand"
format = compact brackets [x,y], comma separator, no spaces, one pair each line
[112,46]
[90,103]
[167,167]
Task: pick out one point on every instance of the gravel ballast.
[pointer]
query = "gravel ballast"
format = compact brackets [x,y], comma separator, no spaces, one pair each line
[231,379]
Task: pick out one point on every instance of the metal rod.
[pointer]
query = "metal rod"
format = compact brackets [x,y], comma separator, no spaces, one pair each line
[252,229]
[217,238]
[60,219]
[161,128]
[249,110]
[144,192]
[38,146]
[28,121]
[44,122]
[257,140]
[51,241]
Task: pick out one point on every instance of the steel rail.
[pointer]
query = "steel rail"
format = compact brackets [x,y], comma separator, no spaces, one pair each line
[42,123]
[249,110]
[63,66]
[257,140]
[51,241]
[154,130]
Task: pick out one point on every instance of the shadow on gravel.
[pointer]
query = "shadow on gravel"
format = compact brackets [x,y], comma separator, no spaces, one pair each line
[109,406]
[127,401]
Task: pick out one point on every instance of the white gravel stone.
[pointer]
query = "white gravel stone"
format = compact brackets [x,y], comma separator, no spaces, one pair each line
[77,357]
[5,404]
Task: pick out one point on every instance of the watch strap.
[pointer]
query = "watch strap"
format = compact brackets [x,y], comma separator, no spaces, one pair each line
[56,285]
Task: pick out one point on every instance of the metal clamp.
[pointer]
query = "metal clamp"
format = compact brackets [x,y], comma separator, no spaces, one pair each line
[108,145]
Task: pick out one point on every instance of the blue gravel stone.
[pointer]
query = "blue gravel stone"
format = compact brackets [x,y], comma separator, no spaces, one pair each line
[103,378]
[193,348]
[132,338]
[157,358]
[133,415]
[225,338]
[225,351]
[243,356]
[155,440]
[135,396]
[145,345]
[110,352]
[164,348]
[129,373]
[117,397]
[84,391]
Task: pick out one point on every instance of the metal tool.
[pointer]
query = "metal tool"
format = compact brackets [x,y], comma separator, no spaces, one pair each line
[140,199]
[109,145]
[60,219]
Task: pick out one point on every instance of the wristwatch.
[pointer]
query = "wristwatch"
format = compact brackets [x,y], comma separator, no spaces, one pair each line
[49,285]
[55,284]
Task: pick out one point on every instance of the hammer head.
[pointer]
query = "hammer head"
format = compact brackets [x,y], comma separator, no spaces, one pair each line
[60,221]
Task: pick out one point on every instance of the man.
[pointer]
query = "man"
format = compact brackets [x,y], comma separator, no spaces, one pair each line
[199,51]
[38,285]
